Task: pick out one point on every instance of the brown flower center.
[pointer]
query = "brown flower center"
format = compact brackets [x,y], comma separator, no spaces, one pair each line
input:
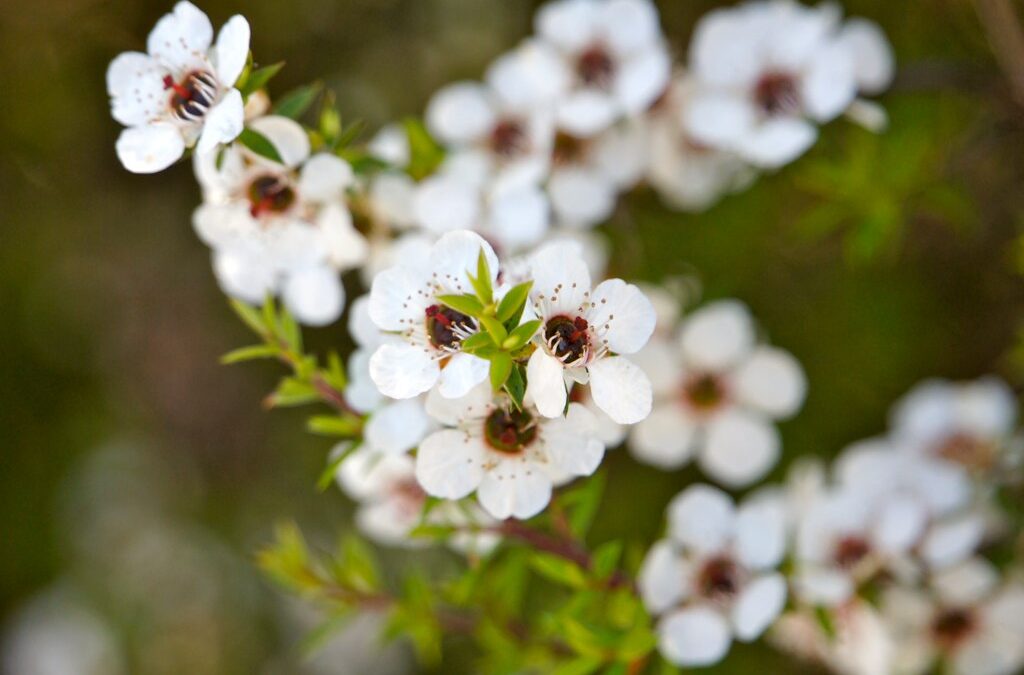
[508,138]
[952,626]
[510,431]
[595,67]
[850,551]
[446,327]
[270,194]
[777,94]
[719,579]
[191,98]
[704,392]
[968,451]
[568,339]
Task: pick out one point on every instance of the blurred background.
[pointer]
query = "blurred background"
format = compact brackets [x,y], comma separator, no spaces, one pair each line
[138,477]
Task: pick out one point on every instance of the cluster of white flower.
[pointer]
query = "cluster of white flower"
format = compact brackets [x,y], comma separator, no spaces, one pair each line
[588,107]
[886,573]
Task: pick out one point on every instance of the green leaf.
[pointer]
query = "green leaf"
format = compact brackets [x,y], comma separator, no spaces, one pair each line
[583,503]
[432,531]
[581,665]
[494,327]
[521,335]
[465,303]
[258,79]
[605,558]
[425,154]
[249,354]
[558,570]
[477,341]
[348,135]
[259,144]
[248,314]
[296,102]
[292,392]
[501,366]
[515,385]
[337,456]
[514,301]
[334,425]
[358,568]
[290,330]
[318,638]
[482,281]
[334,374]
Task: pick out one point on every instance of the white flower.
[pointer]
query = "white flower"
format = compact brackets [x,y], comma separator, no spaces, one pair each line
[600,61]
[511,458]
[890,512]
[390,500]
[769,71]
[689,175]
[856,643]
[966,618]
[181,93]
[403,301]
[280,227]
[582,336]
[717,392]
[968,424]
[714,578]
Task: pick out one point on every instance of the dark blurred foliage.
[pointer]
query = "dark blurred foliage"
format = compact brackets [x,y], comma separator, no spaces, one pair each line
[876,260]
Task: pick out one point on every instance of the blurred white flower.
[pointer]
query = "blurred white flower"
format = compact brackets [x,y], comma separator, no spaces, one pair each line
[689,175]
[181,93]
[770,71]
[855,642]
[717,394]
[403,301]
[714,578]
[968,423]
[966,619]
[583,334]
[280,227]
[510,457]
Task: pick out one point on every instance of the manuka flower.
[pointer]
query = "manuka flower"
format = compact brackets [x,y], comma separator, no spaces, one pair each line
[717,394]
[280,227]
[181,93]
[714,578]
[582,336]
[510,457]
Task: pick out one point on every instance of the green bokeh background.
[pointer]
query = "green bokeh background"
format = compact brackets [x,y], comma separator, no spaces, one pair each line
[876,260]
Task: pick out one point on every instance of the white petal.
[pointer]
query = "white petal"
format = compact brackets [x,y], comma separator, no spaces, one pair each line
[461,374]
[952,541]
[822,586]
[520,218]
[243,277]
[587,112]
[761,532]
[723,50]
[571,442]
[629,25]
[455,255]
[581,197]
[698,636]
[901,522]
[926,413]
[460,113]
[287,136]
[544,383]
[471,408]
[622,315]
[986,407]
[444,203]
[620,389]
[643,79]
[396,299]
[561,280]
[568,24]
[662,362]
[874,63]
[719,120]
[346,247]
[772,381]
[397,427]
[150,148]
[740,448]
[180,40]
[531,76]
[520,494]
[777,142]
[717,336]
[403,371]
[390,144]
[966,584]
[135,84]
[758,605]
[449,464]
[702,517]
[223,123]
[324,177]
[830,85]
[315,295]
[663,577]
[232,50]
[665,439]
[392,196]
[361,393]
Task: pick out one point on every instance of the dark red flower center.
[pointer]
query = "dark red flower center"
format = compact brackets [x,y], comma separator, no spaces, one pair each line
[568,149]
[777,94]
[850,551]
[595,67]
[968,451]
[951,626]
[270,194]
[704,392]
[510,431]
[719,579]
[193,96]
[567,338]
[446,327]
[508,138]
